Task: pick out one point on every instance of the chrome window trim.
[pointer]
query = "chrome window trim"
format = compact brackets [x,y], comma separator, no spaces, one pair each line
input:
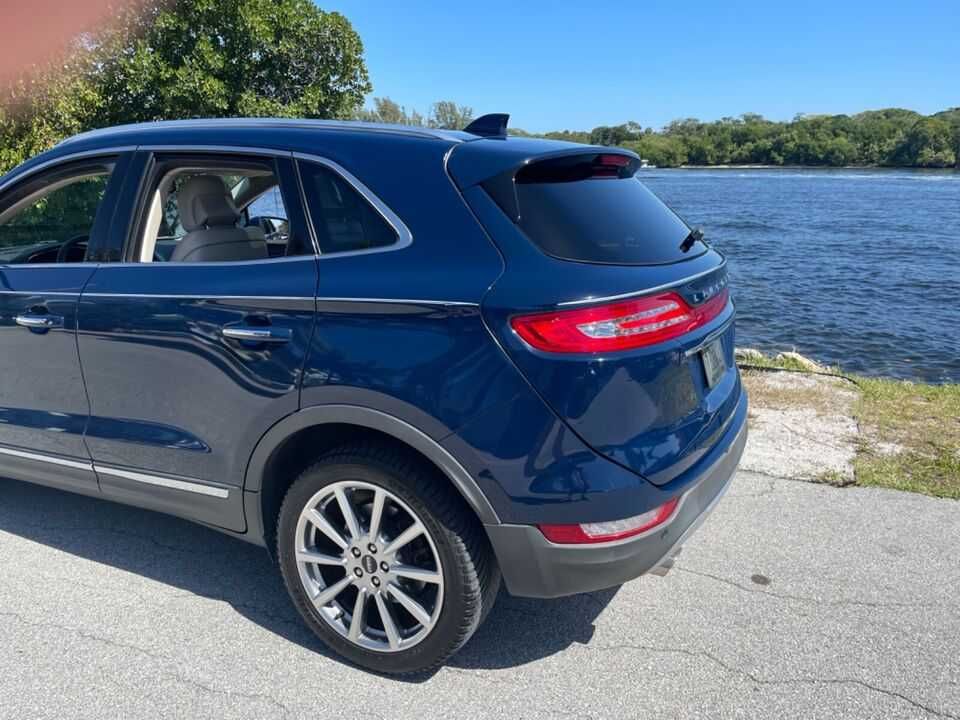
[18,176]
[213,263]
[187,485]
[404,236]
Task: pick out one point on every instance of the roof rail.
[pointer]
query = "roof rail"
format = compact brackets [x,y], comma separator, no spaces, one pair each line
[279,123]
[491,125]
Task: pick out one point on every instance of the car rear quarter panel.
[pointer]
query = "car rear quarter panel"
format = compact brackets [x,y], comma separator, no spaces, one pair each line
[400,330]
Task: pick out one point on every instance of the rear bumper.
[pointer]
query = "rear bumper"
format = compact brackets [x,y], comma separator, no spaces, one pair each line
[534,567]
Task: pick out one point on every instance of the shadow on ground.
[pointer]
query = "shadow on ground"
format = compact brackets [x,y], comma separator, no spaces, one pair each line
[211,565]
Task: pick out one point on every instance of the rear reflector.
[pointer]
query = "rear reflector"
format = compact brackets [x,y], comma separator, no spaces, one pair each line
[609,531]
[619,326]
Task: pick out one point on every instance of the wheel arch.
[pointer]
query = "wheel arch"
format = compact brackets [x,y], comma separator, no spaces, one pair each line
[265,470]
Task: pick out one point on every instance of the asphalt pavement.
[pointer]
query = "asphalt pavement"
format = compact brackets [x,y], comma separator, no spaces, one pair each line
[792,601]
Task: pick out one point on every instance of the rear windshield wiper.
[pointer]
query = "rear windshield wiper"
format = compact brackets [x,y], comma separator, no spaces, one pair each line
[695,236]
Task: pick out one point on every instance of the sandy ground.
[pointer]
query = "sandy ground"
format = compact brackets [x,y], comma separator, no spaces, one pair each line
[801,426]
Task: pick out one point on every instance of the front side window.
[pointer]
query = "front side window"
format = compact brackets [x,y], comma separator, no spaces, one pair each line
[50,219]
[344,221]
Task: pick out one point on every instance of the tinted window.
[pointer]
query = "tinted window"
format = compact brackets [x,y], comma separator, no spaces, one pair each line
[343,219]
[591,208]
[49,213]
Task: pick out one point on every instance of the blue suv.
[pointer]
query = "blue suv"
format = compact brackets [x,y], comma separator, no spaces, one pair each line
[411,363]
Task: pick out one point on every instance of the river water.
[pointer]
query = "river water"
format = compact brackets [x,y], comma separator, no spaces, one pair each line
[858,268]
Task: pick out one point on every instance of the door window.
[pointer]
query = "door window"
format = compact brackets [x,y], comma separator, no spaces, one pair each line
[50,218]
[208,210]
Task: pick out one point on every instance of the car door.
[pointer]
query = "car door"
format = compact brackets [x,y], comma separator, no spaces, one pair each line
[51,221]
[189,361]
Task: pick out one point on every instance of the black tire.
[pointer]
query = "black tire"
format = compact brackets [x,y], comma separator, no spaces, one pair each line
[470,574]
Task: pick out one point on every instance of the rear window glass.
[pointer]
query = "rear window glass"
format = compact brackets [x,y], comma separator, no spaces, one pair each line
[591,208]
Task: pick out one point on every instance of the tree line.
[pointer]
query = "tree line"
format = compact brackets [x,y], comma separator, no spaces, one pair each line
[168,59]
[892,137]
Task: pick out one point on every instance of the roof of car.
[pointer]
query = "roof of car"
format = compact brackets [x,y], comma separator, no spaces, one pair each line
[481,156]
[262,124]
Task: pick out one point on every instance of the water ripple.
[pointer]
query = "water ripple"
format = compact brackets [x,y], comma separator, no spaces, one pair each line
[856,268]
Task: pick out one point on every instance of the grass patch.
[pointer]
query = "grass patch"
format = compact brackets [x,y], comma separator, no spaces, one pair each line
[777,363]
[910,436]
[909,432]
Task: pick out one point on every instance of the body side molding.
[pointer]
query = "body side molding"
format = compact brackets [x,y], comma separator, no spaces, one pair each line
[375,420]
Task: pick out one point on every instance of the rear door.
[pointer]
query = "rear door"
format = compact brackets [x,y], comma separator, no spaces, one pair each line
[50,224]
[188,363]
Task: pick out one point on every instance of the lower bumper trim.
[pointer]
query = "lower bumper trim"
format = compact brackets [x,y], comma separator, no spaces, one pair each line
[532,566]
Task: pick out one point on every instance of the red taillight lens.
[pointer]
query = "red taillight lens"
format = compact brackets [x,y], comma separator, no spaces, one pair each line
[609,531]
[620,326]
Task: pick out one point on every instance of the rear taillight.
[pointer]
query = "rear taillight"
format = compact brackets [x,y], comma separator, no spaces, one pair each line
[620,326]
[584,533]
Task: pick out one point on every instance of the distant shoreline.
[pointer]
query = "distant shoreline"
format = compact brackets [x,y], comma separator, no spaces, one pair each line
[806,167]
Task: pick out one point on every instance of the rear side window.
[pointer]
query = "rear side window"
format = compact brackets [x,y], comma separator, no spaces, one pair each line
[591,208]
[343,219]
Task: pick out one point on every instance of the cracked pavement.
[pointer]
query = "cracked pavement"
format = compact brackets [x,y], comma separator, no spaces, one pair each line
[792,601]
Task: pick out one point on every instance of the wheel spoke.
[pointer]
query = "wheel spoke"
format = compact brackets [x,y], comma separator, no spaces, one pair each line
[411,533]
[389,626]
[415,608]
[318,558]
[349,516]
[376,514]
[359,615]
[324,526]
[330,593]
[415,573]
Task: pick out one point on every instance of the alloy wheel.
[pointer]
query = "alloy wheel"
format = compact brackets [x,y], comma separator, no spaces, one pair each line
[369,566]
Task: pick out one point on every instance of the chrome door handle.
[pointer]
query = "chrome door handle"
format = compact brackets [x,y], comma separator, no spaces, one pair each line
[40,322]
[248,334]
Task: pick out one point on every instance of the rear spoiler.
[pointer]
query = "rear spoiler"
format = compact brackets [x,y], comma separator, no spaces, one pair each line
[495,165]
[474,162]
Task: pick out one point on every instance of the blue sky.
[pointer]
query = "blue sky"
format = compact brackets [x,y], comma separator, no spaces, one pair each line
[557,65]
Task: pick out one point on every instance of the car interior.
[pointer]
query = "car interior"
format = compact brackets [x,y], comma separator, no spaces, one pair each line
[196,214]
[50,220]
[211,215]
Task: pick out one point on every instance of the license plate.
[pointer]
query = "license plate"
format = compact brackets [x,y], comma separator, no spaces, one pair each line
[714,364]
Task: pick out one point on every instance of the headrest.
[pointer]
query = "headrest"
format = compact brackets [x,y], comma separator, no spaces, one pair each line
[205,202]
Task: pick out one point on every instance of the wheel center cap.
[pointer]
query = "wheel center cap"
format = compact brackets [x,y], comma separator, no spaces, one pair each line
[369,564]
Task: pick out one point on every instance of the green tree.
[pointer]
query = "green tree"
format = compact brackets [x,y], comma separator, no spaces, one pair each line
[929,143]
[222,58]
[169,59]
[450,116]
[386,110]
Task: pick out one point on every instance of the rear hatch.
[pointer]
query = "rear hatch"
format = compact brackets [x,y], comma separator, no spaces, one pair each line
[617,314]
